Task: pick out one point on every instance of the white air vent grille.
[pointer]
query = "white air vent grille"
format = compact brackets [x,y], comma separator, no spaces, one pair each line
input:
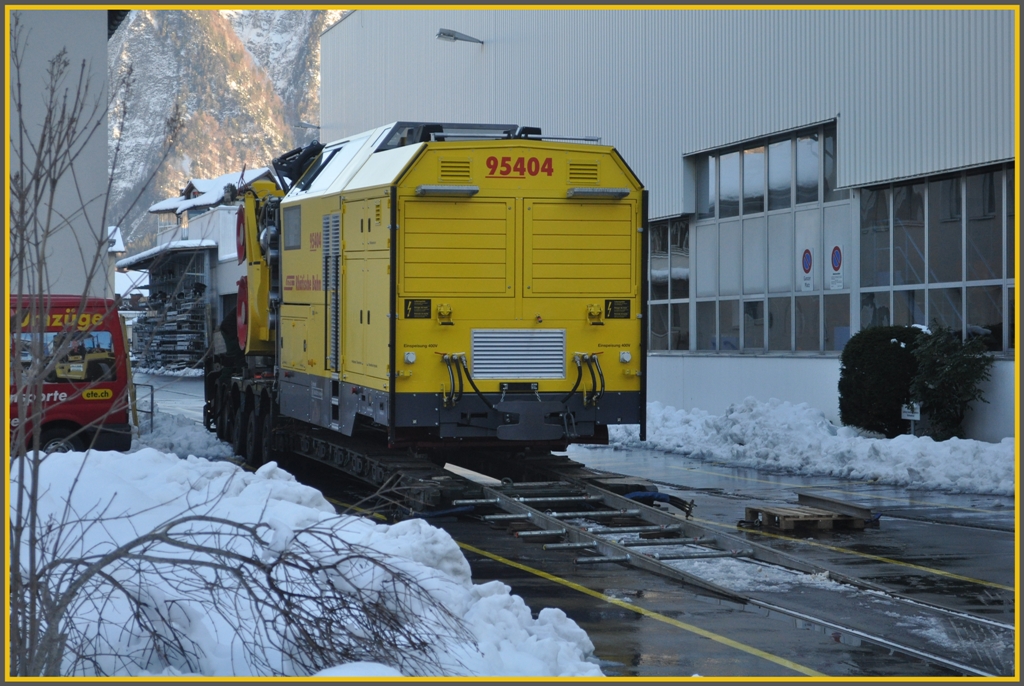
[518,354]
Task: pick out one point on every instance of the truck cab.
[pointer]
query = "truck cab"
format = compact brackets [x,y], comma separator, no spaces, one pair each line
[69,374]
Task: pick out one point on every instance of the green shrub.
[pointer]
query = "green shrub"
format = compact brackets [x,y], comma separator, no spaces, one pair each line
[876,371]
[949,373]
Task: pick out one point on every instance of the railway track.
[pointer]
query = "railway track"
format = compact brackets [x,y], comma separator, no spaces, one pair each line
[602,518]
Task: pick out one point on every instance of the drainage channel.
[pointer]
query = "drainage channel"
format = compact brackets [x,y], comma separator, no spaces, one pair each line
[602,527]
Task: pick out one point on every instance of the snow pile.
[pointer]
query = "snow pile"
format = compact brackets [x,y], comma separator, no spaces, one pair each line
[173,433]
[148,487]
[781,437]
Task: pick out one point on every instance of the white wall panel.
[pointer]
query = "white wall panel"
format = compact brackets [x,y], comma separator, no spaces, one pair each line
[76,245]
[714,382]
[914,92]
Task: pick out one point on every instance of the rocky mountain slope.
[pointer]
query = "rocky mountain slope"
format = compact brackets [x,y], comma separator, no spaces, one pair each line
[243,81]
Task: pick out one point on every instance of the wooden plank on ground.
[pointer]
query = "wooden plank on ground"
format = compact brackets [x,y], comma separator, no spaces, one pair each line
[788,518]
[833,505]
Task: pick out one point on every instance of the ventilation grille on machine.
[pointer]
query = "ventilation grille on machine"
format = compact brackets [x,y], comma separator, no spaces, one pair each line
[454,170]
[583,173]
[332,282]
[518,354]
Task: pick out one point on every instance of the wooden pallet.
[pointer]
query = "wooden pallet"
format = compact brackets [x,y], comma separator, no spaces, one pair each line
[788,518]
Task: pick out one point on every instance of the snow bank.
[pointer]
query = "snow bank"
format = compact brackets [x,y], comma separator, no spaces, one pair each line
[176,434]
[781,437]
[148,486]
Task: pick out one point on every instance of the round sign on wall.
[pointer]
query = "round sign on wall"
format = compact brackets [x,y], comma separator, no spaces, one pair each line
[837,258]
[806,263]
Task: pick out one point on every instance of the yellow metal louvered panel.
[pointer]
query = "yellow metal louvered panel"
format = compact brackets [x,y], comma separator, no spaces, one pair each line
[454,170]
[457,247]
[581,248]
[582,285]
[583,173]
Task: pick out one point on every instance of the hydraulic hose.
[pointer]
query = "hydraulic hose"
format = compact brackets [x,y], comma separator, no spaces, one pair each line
[449,399]
[597,363]
[458,371]
[462,360]
[588,402]
[579,377]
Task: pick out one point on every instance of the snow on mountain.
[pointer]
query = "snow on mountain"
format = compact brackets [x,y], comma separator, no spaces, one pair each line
[242,79]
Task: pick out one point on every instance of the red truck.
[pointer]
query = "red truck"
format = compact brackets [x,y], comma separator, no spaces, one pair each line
[73,353]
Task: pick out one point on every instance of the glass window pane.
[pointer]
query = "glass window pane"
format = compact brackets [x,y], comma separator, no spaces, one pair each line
[908,234]
[729,185]
[830,174]
[1011,246]
[753,325]
[805,318]
[837,321]
[705,190]
[780,252]
[292,227]
[707,259]
[1011,319]
[944,231]
[779,327]
[729,325]
[807,236]
[659,327]
[753,180]
[837,233]
[780,173]
[944,309]
[874,309]
[730,246]
[807,168]
[985,315]
[680,338]
[679,246]
[659,262]
[874,237]
[908,308]
[753,255]
[984,226]
[706,326]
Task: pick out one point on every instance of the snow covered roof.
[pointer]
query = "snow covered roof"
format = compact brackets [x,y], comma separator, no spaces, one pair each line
[126,283]
[137,261]
[209,192]
[116,241]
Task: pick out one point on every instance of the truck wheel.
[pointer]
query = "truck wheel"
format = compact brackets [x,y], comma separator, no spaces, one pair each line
[60,440]
[266,438]
[223,419]
[255,456]
[238,427]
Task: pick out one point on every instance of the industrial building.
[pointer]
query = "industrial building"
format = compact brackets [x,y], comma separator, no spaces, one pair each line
[811,172]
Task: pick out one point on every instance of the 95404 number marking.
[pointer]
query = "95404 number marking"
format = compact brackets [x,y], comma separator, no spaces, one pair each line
[519,167]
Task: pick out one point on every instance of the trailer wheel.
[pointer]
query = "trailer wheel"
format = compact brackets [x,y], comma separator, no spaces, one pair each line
[254,455]
[238,427]
[223,417]
[266,438]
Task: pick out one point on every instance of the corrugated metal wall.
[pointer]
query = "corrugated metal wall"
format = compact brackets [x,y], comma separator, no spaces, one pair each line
[914,91]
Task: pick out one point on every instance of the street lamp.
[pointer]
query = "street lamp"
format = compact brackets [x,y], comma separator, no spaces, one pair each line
[452,36]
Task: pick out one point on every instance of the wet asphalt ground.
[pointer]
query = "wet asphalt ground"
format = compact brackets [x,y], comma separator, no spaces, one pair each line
[954,550]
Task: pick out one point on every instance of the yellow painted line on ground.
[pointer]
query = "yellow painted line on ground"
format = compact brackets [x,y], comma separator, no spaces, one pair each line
[869,556]
[354,508]
[648,613]
[829,489]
